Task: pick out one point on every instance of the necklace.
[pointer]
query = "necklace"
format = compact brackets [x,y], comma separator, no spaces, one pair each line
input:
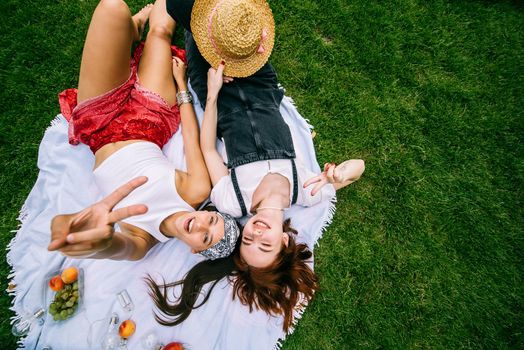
[273,208]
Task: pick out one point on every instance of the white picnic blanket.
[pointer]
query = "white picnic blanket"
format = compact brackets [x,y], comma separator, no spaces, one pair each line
[65,185]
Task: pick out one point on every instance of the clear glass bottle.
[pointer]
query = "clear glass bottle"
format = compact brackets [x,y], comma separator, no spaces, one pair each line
[111,340]
[150,342]
[23,325]
[125,301]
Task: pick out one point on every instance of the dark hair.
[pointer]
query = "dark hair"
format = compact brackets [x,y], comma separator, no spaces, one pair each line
[204,272]
[278,288]
[275,289]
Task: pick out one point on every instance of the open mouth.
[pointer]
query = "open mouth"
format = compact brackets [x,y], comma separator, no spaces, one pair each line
[188,225]
[261,225]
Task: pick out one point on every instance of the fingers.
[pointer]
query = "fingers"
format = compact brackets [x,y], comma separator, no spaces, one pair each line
[318,186]
[336,175]
[327,176]
[87,243]
[90,236]
[83,248]
[215,80]
[227,79]
[124,213]
[218,71]
[330,173]
[221,66]
[328,165]
[313,180]
[320,181]
[60,227]
[79,219]
[122,192]
[179,61]
[80,254]
[57,244]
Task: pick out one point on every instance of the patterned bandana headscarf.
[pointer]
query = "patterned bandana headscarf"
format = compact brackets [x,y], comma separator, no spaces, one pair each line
[226,245]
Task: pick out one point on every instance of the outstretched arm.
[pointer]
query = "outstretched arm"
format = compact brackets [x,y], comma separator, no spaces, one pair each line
[339,175]
[214,162]
[90,232]
[194,185]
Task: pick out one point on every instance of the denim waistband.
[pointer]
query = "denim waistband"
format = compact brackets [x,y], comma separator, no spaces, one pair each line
[255,157]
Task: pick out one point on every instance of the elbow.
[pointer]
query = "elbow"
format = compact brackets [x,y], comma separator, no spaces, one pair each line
[203,194]
[200,195]
[136,257]
[141,249]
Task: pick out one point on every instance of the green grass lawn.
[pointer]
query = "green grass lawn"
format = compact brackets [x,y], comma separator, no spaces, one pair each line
[426,250]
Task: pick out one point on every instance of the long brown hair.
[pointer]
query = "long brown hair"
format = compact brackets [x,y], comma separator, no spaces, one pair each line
[278,288]
[275,289]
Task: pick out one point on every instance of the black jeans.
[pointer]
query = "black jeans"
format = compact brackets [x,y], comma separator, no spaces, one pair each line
[249,119]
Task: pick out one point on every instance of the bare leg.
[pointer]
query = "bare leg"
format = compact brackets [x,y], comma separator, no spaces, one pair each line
[107,49]
[155,70]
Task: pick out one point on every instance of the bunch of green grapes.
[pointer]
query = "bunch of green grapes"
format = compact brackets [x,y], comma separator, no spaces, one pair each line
[65,302]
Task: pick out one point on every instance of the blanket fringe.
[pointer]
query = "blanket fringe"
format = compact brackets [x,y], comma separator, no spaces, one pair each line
[22,217]
[24,214]
[12,280]
[12,277]
[309,125]
[301,306]
[59,119]
[327,219]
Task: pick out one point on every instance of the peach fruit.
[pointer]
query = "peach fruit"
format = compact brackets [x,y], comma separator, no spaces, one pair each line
[126,329]
[173,346]
[56,283]
[70,275]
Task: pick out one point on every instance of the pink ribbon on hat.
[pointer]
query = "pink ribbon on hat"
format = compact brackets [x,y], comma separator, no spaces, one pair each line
[209,24]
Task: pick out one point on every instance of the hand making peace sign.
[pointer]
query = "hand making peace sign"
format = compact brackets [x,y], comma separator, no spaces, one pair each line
[91,230]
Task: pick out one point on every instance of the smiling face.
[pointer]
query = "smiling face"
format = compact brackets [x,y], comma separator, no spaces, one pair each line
[262,239]
[199,230]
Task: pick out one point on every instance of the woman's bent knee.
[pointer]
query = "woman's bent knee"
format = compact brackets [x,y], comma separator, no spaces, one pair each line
[161,30]
[115,7]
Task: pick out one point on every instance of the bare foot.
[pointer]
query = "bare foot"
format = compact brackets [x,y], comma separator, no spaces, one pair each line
[140,19]
[348,171]
[340,176]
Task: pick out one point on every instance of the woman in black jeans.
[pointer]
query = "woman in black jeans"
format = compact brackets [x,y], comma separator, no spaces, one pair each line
[262,176]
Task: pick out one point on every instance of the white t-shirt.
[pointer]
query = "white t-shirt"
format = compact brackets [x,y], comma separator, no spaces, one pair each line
[249,177]
[158,193]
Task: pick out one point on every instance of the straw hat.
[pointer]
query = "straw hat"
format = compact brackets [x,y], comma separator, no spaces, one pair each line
[240,32]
